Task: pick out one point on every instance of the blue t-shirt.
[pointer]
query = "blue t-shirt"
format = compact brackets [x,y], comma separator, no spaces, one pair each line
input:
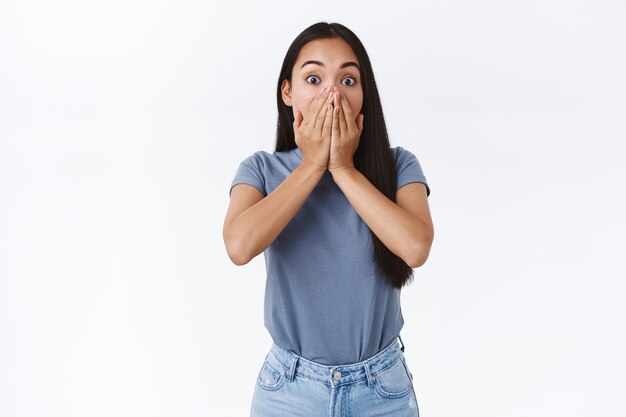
[324,297]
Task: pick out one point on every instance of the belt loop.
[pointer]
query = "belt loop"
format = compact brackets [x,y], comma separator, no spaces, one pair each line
[370,381]
[402,348]
[291,372]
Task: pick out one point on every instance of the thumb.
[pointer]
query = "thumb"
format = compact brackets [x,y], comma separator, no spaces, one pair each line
[360,118]
[297,119]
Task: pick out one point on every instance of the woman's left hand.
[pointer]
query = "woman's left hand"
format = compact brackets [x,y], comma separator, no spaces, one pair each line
[345,134]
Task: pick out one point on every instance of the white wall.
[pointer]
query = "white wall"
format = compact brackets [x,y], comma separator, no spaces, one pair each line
[122,124]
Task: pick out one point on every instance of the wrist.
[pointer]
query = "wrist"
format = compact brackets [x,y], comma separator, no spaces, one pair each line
[312,167]
[342,169]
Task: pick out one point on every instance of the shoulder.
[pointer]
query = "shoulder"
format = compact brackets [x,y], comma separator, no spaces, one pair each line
[258,162]
[263,158]
[256,157]
[400,151]
[403,157]
[408,168]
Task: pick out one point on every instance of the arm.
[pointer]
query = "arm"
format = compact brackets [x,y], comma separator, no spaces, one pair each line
[404,228]
[254,221]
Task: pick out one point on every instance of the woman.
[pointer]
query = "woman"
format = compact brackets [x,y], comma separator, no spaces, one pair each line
[342,219]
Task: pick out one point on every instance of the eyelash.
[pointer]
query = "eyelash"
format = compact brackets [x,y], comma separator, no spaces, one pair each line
[307,77]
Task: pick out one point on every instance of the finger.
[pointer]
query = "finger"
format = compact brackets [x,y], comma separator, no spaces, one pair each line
[359,119]
[337,116]
[314,107]
[309,108]
[321,114]
[328,122]
[342,116]
[336,128]
[298,119]
[348,116]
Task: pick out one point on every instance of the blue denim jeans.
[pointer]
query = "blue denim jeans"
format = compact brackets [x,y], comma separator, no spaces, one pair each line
[290,385]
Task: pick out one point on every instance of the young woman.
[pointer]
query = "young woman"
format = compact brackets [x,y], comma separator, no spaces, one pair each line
[342,219]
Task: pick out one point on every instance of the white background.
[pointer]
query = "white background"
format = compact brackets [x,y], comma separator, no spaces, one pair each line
[122,124]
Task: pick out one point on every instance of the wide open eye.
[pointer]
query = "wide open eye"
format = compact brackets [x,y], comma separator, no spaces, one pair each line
[353,81]
[312,76]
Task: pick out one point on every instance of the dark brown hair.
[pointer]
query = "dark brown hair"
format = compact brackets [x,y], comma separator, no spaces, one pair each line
[374,157]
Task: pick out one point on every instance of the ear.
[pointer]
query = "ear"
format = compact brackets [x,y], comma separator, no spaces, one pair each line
[286,92]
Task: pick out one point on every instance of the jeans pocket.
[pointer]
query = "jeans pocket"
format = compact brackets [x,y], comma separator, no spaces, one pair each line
[272,374]
[394,381]
[407,368]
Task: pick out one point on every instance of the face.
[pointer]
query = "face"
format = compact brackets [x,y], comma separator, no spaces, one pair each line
[308,81]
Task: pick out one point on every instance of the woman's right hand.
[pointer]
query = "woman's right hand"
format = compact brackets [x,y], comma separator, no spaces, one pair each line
[313,129]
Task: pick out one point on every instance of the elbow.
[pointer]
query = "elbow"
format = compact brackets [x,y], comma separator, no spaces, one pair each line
[417,261]
[419,254]
[236,250]
[237,254]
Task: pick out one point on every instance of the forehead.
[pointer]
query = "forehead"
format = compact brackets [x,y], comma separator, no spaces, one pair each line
[331,52]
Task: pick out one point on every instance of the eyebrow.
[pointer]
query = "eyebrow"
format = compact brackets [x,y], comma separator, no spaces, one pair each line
[321,64]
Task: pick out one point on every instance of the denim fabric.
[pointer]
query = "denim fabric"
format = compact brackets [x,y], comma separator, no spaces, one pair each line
[290,385]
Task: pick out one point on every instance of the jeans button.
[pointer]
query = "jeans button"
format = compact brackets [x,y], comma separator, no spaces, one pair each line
[337,375]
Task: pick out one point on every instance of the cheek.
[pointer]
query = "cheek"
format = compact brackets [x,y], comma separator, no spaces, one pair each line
[356,103]
[302,103]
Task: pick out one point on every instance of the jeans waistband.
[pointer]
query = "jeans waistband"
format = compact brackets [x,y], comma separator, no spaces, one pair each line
[336,375]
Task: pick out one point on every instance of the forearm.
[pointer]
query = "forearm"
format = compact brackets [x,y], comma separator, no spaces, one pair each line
[400,231]
[257,227]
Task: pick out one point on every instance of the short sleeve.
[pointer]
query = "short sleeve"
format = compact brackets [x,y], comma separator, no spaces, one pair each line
[250,171]
[409,169]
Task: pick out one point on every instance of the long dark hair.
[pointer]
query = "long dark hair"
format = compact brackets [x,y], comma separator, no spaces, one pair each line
[373,158]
